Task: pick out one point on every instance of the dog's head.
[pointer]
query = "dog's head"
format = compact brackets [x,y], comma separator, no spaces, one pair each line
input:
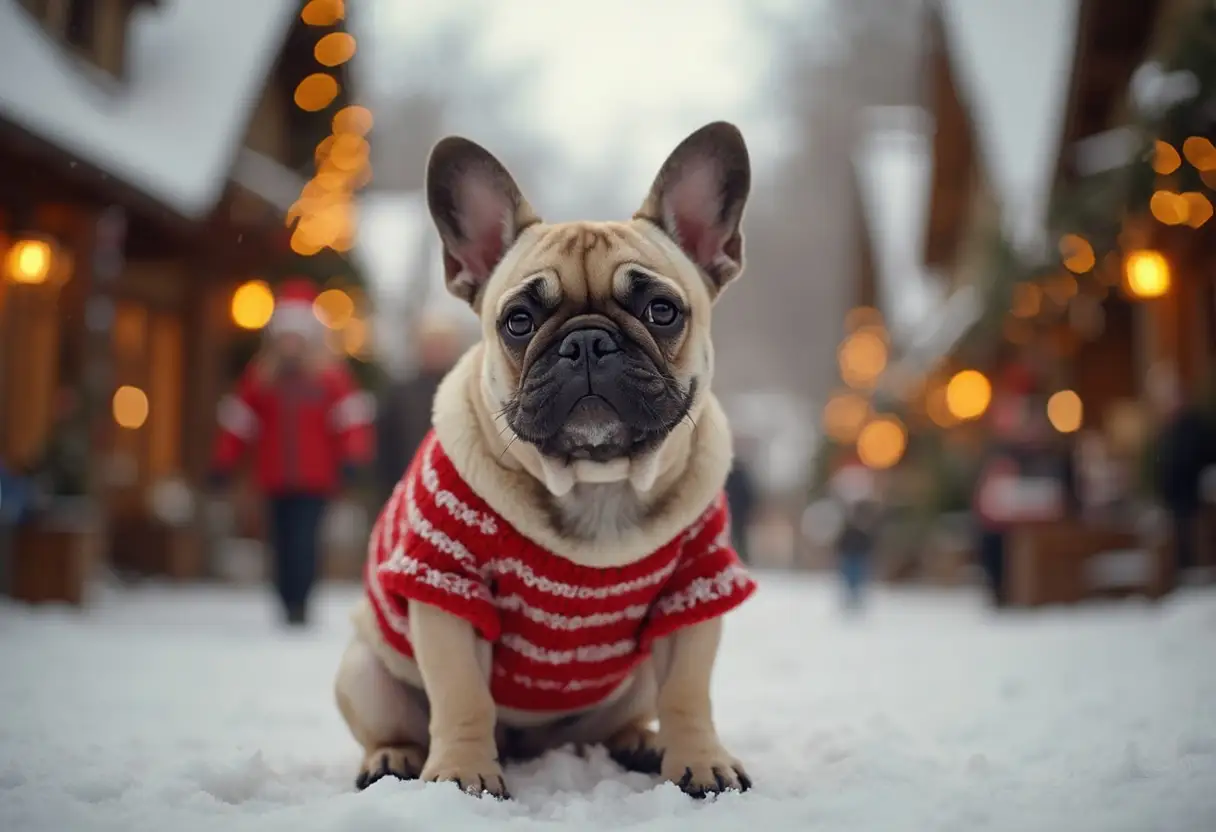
[597,334]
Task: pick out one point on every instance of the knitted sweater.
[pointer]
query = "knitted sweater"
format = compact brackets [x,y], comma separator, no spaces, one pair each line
[565,636]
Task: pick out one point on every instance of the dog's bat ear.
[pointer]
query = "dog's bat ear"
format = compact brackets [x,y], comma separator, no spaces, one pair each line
[478,210]
[698,200]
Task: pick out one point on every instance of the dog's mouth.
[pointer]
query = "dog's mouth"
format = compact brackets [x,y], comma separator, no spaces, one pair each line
[593,431]
[598,429]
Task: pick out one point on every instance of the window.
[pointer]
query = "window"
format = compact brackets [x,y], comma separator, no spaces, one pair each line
[81,23]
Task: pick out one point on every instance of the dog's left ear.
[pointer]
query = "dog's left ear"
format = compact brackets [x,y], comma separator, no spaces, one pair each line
[698,199]
[478,210]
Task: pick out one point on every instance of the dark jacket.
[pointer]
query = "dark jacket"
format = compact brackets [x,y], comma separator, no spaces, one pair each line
[403,419]
[1184,450]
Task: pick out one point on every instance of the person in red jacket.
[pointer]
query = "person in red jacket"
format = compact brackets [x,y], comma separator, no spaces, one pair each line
[309,428]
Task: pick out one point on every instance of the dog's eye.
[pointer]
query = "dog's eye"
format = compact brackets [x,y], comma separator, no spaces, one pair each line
[661,313]
[519,324]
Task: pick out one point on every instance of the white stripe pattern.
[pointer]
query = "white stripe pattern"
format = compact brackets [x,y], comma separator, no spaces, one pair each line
[237,418]
[569,623]
[516,567]
[458,585]
[704,591]
[572,686]
[586,653]
[453,505]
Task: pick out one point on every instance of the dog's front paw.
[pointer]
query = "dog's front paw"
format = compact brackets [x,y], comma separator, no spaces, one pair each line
[403,762]
[702,771]
[472,768]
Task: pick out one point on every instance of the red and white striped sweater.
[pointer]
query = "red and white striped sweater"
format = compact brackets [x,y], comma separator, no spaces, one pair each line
[565,636]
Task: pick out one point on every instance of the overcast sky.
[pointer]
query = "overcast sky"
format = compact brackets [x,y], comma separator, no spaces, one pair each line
[621,81]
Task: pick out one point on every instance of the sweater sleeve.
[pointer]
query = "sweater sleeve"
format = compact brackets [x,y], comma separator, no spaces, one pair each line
[239,423]
[430,556]
[709,579]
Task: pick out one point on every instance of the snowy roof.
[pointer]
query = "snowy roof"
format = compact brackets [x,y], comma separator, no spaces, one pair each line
[893,163]
[171,129]
[1014,62]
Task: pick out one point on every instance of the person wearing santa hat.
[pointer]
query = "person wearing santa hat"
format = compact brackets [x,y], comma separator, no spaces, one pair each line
[308,427]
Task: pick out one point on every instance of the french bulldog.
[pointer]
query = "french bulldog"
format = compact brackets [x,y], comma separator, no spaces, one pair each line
[554,566]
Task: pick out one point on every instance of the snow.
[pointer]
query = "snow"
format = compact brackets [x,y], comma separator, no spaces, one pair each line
[187,709]
[172,128]
[1014,64]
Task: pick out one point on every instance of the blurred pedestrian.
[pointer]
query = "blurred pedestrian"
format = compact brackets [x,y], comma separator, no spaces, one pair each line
[855,548]
[403,416]
[741,501]
[1184,450]
[308,425]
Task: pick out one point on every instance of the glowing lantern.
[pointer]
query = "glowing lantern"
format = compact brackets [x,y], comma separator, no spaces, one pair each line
[29,262]
[252,305]
[1148,274]
[881,442]
[1065,411]
[968,395]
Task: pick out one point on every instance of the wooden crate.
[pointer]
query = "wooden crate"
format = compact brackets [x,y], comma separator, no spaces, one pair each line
[1066,562]
[53,558]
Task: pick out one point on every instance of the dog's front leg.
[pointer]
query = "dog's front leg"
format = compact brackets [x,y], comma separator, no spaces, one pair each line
[693,757]
[463,714]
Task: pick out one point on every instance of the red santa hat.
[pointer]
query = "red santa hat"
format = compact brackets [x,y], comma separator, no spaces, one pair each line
[293,310]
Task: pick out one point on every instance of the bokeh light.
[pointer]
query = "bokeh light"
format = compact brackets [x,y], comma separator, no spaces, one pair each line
[252,305]
[323,12]
[316,92]
[862,357]
[1148,274]
[355,120]
[968,395]
[1200,152]
[129,407]
[29,261]
[1065,411]
[334,308]
[882,442]
[844,415]
[335,49]
[1165,158]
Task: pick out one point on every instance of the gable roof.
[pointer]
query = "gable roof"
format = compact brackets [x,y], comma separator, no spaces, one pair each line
[1013,59]
[892,167]
[172,129]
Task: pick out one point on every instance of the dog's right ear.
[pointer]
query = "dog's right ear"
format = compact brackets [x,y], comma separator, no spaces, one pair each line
[478,210]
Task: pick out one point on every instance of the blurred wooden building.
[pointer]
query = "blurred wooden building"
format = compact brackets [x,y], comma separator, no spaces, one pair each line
[149,152]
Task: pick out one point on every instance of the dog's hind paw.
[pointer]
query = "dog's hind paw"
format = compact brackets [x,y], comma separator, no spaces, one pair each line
[404,762]
[636,748]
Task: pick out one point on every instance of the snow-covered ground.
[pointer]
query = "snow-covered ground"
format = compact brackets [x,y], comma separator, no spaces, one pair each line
[189,710]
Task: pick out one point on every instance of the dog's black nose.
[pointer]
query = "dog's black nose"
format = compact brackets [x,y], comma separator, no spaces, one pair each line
[587,345]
